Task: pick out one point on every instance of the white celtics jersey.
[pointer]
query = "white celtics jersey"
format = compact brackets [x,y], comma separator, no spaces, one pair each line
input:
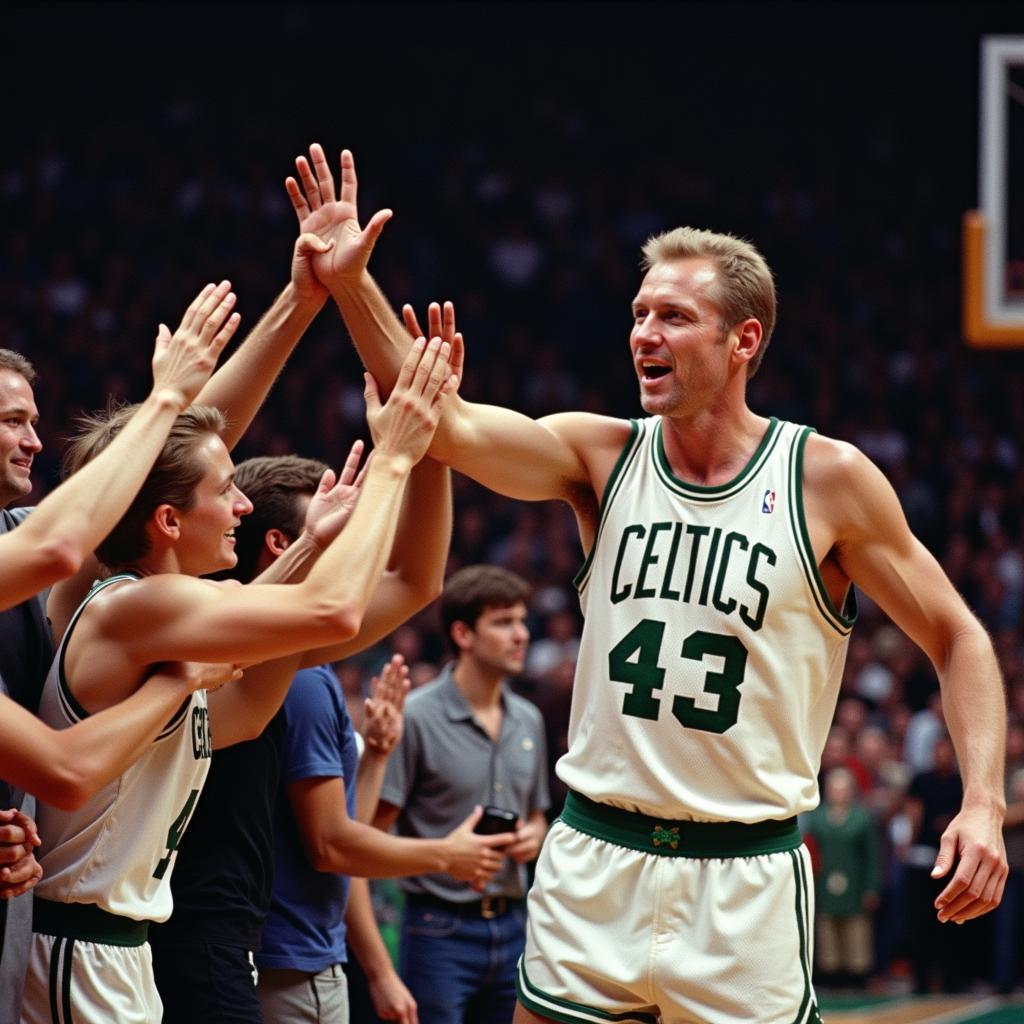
[117,850]
[711,655]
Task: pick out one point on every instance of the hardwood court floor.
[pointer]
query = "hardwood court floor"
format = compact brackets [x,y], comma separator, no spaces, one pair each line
[923,1010]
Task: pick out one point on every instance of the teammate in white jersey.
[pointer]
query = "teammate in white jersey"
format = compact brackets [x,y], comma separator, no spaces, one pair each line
[108,867]
[721,552]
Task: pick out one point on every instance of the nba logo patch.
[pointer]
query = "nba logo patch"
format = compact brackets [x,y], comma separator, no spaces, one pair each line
[768,504]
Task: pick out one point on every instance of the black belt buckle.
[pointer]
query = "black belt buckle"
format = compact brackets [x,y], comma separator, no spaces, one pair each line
[493,906]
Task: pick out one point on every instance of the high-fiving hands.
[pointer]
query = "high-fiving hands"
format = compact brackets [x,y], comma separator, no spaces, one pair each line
[336,247]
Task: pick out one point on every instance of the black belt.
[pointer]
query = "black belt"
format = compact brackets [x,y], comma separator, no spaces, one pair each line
[488,907]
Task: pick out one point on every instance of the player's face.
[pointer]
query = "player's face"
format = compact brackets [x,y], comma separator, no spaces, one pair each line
[678,340]
[19,441]
[499,638]
[208,527]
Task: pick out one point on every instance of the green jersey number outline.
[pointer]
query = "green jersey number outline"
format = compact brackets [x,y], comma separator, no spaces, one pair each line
[645,675]
[175,833]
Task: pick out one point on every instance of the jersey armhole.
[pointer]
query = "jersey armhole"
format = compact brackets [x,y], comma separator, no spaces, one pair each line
[611,489]
[841,621]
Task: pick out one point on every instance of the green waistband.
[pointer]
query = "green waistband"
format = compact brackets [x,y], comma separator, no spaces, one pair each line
[87,922]
[669,838]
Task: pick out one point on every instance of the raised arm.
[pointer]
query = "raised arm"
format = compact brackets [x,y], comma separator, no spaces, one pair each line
[383,724]
[65,767]
[852,504]
[173,617]
[415,572]
[504,450]
[68,524]
[239,388]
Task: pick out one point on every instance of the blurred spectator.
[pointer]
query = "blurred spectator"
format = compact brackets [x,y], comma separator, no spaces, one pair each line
[847,883]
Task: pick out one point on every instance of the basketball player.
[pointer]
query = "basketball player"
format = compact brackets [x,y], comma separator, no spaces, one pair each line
[107,867]
[722,548]
[65,768]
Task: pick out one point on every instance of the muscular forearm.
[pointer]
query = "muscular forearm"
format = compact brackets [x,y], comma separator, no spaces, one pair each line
[379,336]
[351,567]
[65,767]
[974,705]
[239,387]
[70,522]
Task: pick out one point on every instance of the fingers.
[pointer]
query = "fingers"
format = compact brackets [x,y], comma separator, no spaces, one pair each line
[14,850]
[371,393]
[349,185]
[972,891]
[412,325]
[324,178]
[21,871]
[411,362]
[350,470]
[423,379]
[310,243]
[327,481]
[458,357]
[474,816]
[944,861]
[298,198]
[434,320]
[370,234]
[32,873]
[309,183]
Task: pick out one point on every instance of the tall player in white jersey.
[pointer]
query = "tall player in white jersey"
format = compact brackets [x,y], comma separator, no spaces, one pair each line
[722,548]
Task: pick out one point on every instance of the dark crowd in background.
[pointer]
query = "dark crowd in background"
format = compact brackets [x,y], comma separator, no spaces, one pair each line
[527,155]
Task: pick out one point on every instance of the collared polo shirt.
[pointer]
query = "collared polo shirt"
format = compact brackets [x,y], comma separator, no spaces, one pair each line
[446,764]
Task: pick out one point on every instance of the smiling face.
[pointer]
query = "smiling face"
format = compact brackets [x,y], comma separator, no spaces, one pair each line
[19,442]
[679,341]
[207,541]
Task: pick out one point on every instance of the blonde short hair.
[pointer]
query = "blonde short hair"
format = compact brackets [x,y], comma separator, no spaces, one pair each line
[746,287]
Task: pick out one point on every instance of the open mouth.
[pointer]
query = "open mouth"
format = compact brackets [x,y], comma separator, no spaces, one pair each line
[654,371]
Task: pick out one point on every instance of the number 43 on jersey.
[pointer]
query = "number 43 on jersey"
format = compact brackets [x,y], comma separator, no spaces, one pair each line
[635,660]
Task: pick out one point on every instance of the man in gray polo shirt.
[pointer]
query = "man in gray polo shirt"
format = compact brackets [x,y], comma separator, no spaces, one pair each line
[469,740]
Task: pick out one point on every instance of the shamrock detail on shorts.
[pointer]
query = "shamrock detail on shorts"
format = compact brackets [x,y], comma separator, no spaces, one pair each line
[668,836]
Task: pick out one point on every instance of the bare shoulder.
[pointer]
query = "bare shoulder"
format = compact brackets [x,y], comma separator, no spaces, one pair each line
[124,605]
[846,487]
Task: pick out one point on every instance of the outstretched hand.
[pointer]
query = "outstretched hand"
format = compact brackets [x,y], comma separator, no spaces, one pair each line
[383,719]
[335,499]
[345,245]
[440,324]
[405,424]
[183,361]
[975,836]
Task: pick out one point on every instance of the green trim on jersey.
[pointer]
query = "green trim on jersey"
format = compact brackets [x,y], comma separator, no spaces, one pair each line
[177,719]
[72,709]
[667,838]
[840,622]
[86,922]
[611,488]
[718,492]
[566,1011]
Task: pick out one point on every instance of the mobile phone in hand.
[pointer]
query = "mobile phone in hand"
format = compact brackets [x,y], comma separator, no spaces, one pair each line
[496,820]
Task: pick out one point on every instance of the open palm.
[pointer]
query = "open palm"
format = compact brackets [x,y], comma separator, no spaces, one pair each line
[333,219]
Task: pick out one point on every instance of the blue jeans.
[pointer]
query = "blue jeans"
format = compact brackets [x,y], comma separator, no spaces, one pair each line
[460,969]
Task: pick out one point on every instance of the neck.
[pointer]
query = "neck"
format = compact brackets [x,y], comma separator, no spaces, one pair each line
[712,446]
[480,686]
